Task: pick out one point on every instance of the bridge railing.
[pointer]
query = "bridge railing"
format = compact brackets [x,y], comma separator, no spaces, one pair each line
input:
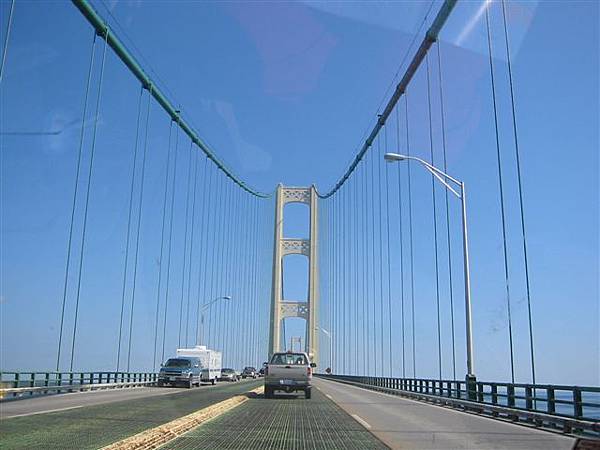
[18,383]
[577,402]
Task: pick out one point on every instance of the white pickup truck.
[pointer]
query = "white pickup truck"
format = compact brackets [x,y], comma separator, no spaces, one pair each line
[289,372]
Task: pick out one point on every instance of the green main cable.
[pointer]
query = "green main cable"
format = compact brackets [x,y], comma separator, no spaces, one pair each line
[430,37]
[121,51]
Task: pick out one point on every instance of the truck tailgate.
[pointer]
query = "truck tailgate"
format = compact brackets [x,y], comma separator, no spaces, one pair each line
[287,372]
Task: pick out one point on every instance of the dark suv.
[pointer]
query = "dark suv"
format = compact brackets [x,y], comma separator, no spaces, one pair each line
[249,372]
[180,371]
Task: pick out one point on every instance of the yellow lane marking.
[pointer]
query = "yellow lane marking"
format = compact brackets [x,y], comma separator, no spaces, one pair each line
[155,437]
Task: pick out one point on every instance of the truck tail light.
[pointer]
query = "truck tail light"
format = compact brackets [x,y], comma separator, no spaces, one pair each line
[309,371]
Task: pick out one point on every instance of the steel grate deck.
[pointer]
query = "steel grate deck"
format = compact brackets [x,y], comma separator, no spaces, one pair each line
[99,425]
[286,423]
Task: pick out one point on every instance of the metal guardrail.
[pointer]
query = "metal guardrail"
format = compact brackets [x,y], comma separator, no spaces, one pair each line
[554,406]
[14,384]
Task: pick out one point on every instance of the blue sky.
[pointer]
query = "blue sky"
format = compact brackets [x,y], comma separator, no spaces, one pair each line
[285,92]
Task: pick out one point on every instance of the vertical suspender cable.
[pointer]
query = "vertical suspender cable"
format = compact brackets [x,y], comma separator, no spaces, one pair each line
[365,259]
[8,28]
[451,284]
[520,186]
[378,158]
[187,314]
[343,263]
[373,266]
[410,237]
[162,240]
[164,334]
[130,213]
[87,201]
[185,234]
[435,231]
[400,235]
[219,274]
[202,270]
[216,236]
[139,223]
[74,203]
[389,269]
[357,270]
[501,188]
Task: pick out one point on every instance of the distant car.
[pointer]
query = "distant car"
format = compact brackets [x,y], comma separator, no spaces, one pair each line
[249,372]
[261,372]
[289,372]
[229,375]
[183,371]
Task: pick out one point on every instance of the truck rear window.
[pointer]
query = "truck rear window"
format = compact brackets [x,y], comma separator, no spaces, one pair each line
[289,359]
[178,363]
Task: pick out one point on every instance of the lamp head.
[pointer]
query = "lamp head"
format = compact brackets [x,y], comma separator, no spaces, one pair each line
[226,297]
[392,157]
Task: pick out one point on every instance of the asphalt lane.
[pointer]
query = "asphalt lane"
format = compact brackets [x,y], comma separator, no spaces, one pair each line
[408,424]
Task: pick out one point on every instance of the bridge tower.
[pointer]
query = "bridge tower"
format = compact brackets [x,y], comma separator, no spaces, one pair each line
[280,307]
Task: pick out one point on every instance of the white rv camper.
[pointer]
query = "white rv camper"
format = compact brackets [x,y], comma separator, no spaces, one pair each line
[210,362]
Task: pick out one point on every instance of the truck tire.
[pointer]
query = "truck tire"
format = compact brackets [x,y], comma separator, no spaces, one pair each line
[307,393]
[212,381]
[190,384]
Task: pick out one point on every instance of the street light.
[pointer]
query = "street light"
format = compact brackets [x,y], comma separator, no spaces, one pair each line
[204,308]
[329,334]
[444,178]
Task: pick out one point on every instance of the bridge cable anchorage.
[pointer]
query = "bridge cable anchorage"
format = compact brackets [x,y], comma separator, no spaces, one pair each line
[185,242]
[410,234]
[137,238]
[501,191]
[435,229]
[7,37]
[87,201]
[172,208]
[430,37]
[400,237]
[520,187]
[389,268]
[128,234]
[191,251]
[111,39]
[448,241]
[162,245]
[74,202]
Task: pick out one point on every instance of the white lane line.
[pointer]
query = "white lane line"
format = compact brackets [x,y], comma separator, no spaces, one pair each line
[363,422]
[42,412]
[329,396]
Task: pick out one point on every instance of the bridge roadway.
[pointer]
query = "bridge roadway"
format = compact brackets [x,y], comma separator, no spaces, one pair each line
[337,417]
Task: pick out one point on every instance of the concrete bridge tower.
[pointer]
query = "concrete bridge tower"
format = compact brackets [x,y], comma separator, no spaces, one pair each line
[281,307]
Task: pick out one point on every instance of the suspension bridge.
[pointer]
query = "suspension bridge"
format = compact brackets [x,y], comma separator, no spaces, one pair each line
[161,245]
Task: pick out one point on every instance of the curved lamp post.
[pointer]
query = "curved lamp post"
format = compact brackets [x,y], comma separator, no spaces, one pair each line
[205,307]
[446,179]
